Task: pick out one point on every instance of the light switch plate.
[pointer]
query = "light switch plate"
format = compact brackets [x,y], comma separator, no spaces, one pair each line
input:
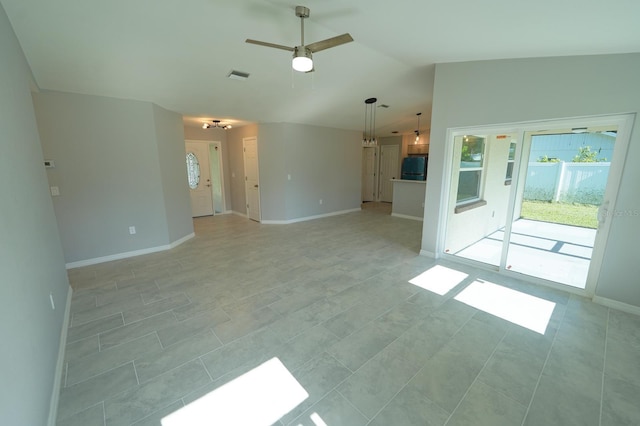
[55,191]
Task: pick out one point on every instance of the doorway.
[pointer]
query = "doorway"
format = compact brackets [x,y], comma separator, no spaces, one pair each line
[217,180]
[533,199]
[205,177]
[369,173]
[252,188]
[389,161]
[199,179]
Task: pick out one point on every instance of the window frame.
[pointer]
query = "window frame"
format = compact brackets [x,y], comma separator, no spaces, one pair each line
[511,160]
[477,199]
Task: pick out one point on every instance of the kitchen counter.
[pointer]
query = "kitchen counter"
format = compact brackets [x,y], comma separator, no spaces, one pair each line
[408,198]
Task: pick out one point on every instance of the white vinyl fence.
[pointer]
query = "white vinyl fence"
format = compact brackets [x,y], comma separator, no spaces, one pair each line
[567,182]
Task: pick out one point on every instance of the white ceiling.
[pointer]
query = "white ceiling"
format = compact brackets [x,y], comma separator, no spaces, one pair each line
[178,53]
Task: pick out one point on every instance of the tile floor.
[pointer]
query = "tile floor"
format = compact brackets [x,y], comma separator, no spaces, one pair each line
[331,299]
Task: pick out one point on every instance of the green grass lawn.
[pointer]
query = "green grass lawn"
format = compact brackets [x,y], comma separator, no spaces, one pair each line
[584,215]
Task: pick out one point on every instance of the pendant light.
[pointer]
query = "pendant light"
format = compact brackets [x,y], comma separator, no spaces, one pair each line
[369,133]
[418,129]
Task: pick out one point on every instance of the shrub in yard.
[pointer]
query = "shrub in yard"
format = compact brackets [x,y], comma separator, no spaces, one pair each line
[585,155]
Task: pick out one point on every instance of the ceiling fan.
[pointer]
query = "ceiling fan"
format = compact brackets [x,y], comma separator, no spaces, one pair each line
[302,59]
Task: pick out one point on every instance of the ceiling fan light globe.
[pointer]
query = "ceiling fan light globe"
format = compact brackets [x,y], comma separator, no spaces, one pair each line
[302,63]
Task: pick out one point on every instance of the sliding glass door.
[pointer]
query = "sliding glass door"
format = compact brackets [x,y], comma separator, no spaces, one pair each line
[533,200]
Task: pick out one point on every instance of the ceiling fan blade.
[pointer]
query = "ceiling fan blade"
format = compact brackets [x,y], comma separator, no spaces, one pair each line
[330,42]
[275,46]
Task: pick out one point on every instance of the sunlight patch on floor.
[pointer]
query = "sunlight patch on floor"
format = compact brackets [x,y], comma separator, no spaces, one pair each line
[514,306]
[317,420]
[439,279]
[258,397]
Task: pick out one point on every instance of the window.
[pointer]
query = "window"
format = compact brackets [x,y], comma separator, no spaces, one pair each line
[193,170]
[510,161]
[471,168]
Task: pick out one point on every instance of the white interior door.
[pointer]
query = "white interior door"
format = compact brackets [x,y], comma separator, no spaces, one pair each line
[217,181]
[252,184]
[200,186]
[369,164]
[388,170]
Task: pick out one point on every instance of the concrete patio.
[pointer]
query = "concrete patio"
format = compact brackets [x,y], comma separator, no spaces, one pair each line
[550,251]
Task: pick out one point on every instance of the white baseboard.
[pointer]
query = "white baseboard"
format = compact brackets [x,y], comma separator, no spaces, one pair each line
[428,254]
[620,306]
[228,212]
[57,380]
[404,216]
[179,241]
[238,213]
[125,255]
[304,219]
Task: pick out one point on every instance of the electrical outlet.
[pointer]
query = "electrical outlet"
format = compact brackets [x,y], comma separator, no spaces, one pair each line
[320,201]
[132,230]
[55,191]
[288,177]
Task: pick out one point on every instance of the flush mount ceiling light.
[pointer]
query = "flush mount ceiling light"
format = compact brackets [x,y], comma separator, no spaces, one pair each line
[369,133]
[302,59]
[216,123]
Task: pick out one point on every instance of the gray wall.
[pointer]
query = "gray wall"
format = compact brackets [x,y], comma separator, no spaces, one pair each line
[108,159]
[31,259]
[218,135]
[506,91]
[324,163]
[173,172]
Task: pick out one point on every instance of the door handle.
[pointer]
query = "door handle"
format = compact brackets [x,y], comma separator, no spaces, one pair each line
[208,184]
[603,212]
[255,186]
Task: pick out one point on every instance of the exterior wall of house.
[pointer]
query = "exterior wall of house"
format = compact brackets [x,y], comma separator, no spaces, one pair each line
[31,257]
[519,90]
[564,147]
[467,227]
[108,168]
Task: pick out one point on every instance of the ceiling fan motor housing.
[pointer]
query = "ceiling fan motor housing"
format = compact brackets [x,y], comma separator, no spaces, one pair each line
[302,12]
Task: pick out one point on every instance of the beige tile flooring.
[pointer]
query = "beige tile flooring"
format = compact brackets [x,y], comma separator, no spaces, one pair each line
[331,299]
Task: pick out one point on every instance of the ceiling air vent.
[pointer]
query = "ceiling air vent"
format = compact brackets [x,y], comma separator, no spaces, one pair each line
[238,75]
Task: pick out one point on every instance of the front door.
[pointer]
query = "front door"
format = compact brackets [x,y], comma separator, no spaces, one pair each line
[199,179]
[389,155]
[252,185]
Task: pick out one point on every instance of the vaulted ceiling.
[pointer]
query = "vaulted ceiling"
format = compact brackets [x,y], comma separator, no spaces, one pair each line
[178,54]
